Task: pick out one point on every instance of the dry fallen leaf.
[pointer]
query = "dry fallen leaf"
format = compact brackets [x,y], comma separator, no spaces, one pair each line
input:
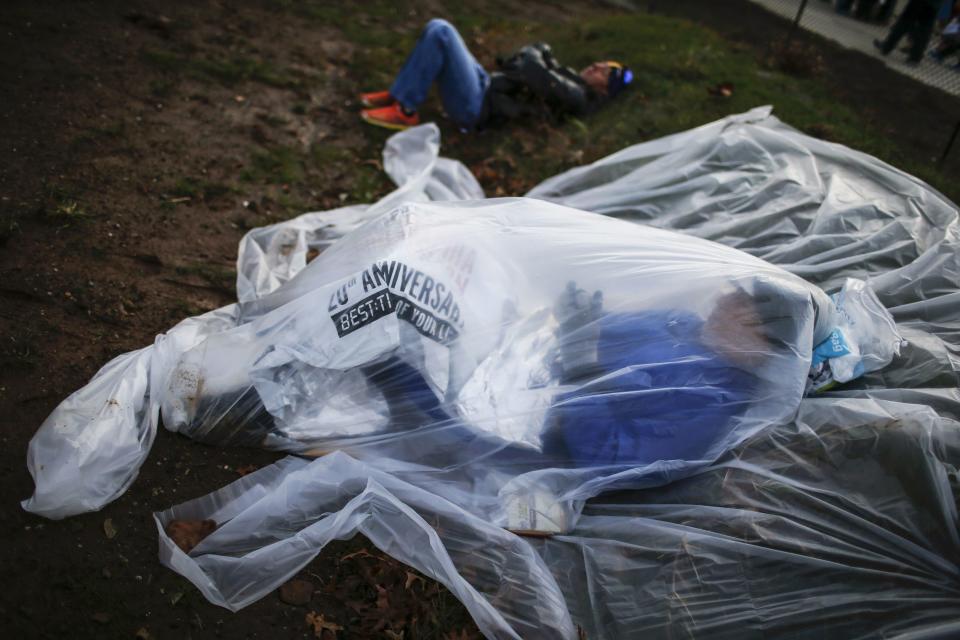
[363,553]
[296,592]
[722,90]
[383,603]
[109,530]
[189,533]
[411,578]
[319,624]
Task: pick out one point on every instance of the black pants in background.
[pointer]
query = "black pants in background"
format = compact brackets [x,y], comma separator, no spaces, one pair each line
[917,19]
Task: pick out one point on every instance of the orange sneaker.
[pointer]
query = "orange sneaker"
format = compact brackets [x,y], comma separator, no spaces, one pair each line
[377,99]
[391,117]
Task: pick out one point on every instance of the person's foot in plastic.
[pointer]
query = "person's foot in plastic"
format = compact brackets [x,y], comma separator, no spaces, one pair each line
[392,117]
[376,99]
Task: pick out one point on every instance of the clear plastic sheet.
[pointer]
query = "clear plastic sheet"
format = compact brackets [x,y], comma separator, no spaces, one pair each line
[731,506]
[514,332]
[88,451]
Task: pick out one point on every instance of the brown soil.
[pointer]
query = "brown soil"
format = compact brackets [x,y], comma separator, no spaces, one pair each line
[119,190]
[125,186]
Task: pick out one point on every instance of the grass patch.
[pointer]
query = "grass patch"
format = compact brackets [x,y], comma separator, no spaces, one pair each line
[367,184]
[372,26]
[112,131]
[199,189]
[217,276]
[62,207]
[20,355]
[289,165]
[276,122]
[9,226]
[283,165]
[367,25]
[323,153]
[163,60]
[226,71]
[231,71]
[291,205]
[162,87]
[675,62]
[182,308]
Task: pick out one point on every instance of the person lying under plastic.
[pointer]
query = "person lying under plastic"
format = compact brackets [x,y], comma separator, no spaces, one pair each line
[628,387]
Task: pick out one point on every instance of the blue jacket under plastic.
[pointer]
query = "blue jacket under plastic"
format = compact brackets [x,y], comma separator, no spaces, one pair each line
[665,394]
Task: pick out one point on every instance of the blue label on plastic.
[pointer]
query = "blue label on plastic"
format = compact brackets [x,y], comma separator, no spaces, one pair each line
[833,347]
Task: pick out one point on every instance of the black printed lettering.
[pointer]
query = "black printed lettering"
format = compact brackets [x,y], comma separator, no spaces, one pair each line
[425,290]
[447,303]
[415,287]
[381,273]
[405,278]
[437,295]
[428,306]
[367,280]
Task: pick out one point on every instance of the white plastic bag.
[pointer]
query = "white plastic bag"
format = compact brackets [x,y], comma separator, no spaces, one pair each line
[864,339]
[90,448]
[853,497]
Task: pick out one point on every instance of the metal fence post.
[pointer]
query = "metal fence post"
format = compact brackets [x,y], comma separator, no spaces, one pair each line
[946,151]
[796,23]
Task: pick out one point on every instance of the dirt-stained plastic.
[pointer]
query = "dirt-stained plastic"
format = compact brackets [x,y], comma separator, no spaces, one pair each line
[579,424]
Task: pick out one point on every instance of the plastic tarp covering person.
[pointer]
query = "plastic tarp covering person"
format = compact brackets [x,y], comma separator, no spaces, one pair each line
[695,438]
[90,448]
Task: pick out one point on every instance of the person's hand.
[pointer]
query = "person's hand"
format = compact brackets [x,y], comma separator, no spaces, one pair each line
[578,313]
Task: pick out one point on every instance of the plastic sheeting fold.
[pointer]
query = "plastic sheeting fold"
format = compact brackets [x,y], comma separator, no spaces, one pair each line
[832,515]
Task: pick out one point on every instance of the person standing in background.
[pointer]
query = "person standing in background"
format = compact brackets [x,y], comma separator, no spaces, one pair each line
[917,20]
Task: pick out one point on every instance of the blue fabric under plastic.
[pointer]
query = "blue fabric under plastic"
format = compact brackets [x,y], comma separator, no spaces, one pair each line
[658,393]
[666,395]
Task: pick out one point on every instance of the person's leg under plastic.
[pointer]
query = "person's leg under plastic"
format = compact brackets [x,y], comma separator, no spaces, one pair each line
[441,55]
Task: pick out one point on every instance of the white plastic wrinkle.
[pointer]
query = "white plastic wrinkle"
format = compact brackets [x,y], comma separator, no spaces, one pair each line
[842,519]
[336,497]
[91,447]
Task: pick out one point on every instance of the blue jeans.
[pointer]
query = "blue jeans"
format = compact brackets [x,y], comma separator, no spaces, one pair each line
[441,55]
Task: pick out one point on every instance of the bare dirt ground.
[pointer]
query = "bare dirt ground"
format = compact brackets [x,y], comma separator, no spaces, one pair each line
[138,142]
[120,181]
